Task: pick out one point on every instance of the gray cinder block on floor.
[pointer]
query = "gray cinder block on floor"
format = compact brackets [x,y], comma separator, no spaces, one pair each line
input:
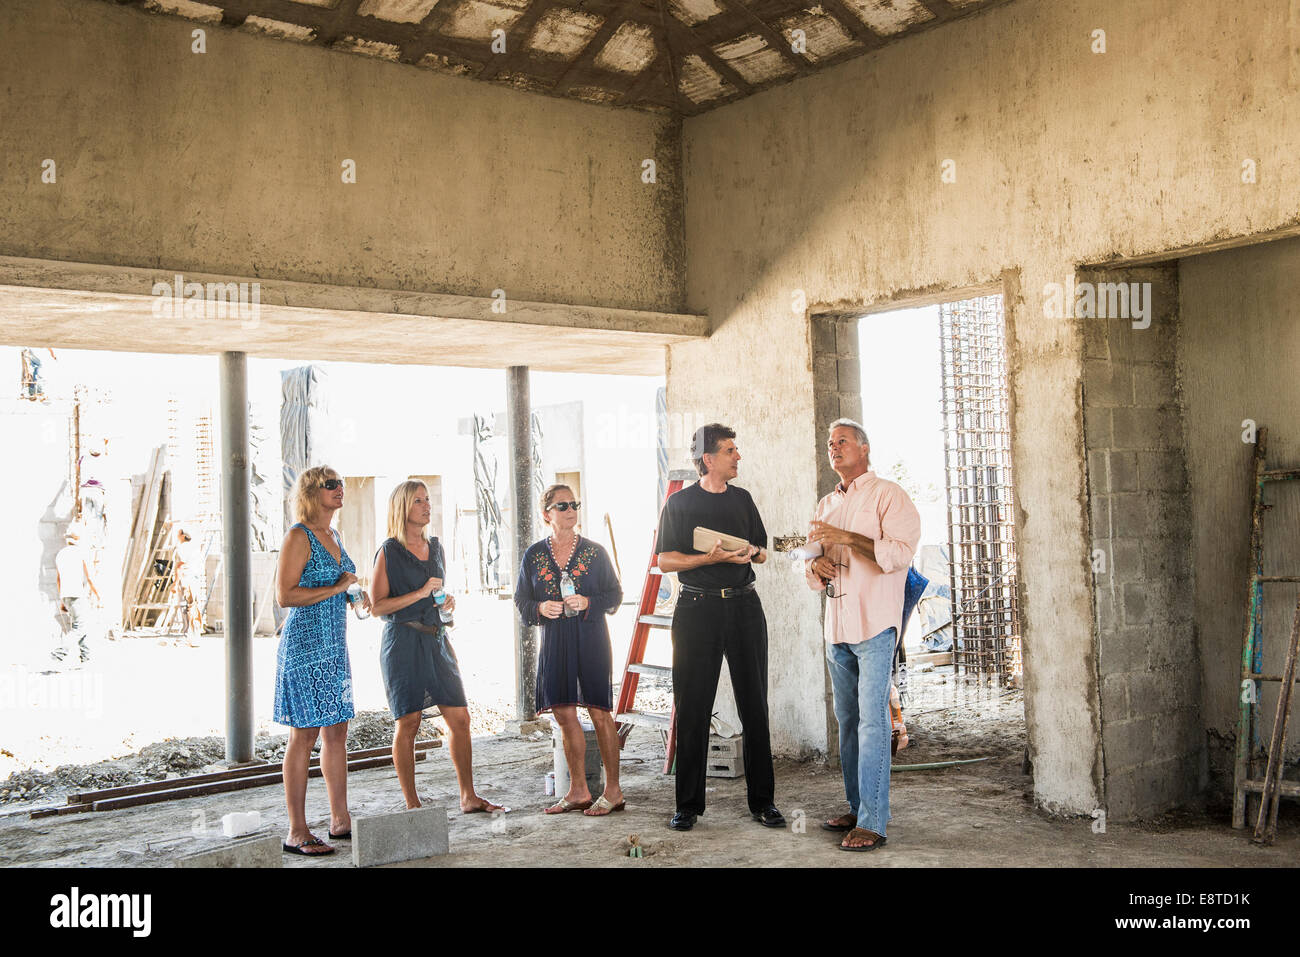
[401,836]
[254,852]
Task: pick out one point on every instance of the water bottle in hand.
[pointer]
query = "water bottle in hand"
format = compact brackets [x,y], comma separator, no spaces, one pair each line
[354,599]
[439,598]
[567,588]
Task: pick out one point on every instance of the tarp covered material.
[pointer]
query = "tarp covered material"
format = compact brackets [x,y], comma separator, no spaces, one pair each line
[489,509]
[934,610]
[303,417]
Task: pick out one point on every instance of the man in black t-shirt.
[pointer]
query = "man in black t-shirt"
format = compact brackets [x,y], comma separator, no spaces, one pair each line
[718,613]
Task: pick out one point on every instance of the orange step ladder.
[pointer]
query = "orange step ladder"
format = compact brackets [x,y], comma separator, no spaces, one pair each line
[626,713]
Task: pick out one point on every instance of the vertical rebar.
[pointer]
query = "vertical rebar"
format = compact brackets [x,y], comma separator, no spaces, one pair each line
[977,460]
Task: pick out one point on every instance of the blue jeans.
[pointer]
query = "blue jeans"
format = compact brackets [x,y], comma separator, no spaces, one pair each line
[860,675]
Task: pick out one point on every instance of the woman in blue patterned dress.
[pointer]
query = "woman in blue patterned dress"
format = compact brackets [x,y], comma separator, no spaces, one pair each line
[313,677]
[575,662]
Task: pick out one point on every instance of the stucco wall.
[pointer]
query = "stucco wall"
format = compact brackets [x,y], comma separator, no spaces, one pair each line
[832,185]
[229,162]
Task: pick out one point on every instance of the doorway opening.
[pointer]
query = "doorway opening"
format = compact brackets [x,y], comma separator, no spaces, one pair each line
[935,403]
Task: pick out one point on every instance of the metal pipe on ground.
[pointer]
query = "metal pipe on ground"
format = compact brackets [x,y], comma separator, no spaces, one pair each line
[90,797]
[203,790]
[937,764]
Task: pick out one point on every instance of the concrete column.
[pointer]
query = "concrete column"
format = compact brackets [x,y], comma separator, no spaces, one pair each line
[837,393]
[518,412]
[1140,505]
[1045,353]
[236,558]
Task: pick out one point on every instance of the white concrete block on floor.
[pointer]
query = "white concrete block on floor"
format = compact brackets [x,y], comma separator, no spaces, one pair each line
[401,836]
[238,824]
[254,852]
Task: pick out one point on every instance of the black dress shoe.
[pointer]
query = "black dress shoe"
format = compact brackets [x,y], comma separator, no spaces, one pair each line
[769,817]
[682,821]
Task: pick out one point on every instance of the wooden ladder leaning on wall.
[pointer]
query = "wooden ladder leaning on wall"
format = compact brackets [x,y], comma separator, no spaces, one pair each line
[1270,787]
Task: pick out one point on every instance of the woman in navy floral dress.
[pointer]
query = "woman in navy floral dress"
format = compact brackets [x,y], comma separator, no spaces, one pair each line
[575,662]
[313,677]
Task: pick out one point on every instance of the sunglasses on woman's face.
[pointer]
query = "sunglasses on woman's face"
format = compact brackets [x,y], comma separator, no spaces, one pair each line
[565,506]
[332,484]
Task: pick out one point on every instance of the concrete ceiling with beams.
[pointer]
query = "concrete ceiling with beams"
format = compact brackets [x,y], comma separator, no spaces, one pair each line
[676,56]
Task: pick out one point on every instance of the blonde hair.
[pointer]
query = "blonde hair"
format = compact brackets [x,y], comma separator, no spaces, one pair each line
[399,506]
[306,492]
[549,496]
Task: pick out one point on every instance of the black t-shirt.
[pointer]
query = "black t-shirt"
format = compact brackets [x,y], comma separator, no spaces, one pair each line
[732,511]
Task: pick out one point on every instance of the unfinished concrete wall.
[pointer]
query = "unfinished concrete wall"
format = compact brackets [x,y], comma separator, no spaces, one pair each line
[1140,515]
[230,162]
[1239,360]
[1001,147]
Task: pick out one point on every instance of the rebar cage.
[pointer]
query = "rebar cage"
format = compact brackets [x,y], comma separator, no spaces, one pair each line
[981,514]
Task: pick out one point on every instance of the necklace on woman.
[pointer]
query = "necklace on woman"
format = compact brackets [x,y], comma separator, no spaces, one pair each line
[555,551]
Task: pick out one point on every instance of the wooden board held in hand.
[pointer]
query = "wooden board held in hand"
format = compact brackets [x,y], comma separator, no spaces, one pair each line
[705,537]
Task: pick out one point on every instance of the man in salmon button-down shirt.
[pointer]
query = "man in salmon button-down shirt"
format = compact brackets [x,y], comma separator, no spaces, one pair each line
[869,530]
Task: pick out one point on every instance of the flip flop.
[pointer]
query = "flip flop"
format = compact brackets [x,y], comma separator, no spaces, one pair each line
[831,826]
[567,806]
[345,836]
[605,807]
[489,809]
[865,847]
[314,842]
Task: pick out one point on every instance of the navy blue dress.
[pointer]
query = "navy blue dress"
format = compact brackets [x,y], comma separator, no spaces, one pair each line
[575,661]
[420,669]
[313,677]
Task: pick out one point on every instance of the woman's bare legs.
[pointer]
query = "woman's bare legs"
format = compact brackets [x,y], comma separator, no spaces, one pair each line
[297,756]
[607,737]
[462,760]
[404,756]
[575,754]
[334,766]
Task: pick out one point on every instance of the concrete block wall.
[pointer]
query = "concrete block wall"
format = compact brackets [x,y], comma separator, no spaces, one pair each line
[837,384]
[837,392]
[1140,517]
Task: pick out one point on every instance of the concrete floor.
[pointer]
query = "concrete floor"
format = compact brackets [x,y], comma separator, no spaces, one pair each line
[977,815]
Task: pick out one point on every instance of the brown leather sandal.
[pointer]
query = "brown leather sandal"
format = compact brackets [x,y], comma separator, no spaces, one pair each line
[876,840]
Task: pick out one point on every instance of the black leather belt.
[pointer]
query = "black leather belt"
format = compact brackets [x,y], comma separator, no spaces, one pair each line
[721,592]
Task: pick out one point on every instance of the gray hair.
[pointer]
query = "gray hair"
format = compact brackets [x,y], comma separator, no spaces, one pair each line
[850,424]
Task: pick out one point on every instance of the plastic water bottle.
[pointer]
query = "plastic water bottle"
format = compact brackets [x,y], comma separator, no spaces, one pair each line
[439,599]
[354,599]
[802,554]
[567,588]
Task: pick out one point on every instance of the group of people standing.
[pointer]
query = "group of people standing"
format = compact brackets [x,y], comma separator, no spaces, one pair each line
[313,680]
[867,528]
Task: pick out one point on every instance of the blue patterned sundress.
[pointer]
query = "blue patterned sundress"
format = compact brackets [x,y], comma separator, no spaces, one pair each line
[313,677]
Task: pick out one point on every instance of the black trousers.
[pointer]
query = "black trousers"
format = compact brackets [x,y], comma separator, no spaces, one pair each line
[704,629]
